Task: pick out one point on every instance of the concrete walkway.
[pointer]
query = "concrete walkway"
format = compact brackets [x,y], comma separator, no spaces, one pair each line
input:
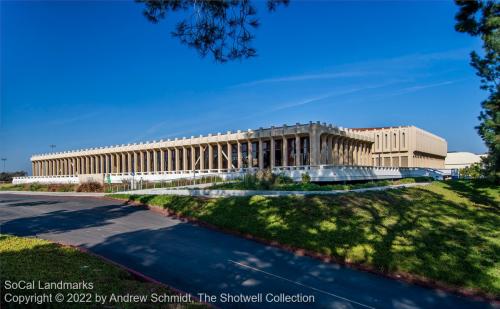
[199,260]
[223,193]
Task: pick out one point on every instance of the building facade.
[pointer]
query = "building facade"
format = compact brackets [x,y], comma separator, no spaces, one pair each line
[405,146]
[461,159]
[311,144]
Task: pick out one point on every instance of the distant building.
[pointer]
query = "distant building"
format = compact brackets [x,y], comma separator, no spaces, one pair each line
[461,159]
[406,146]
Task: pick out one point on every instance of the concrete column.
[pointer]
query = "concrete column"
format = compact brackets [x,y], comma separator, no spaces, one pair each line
[340,145]
[219,156]
[250,154]
[123,162]
[78,170]
[177,160]
[210,157]
[202,157]
[229,156]
[162,160]
[92,165]
[240,155]
[33,167]
[101,162]
[184,159]
[120,162]
[155,161]
[329,149]
[298,159]
[129,162]
[112,167]
[324,149]
[169,159]
[284,152]
[272,156]
[193,158]
[315,140]
[106,164]
[351,152]
[148,162]
[261,154]
[354,152]
[134,166]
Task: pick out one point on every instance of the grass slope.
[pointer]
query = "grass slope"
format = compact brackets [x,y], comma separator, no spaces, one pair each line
[446,232]
[36,259]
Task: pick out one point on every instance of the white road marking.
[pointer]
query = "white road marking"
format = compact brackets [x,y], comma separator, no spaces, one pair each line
[301,284]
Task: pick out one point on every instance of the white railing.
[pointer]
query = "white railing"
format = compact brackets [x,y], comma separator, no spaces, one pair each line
[319,173]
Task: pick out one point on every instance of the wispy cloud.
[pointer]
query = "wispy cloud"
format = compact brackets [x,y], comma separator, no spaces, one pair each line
[304,77]
[367,68]
[420,87]
[333,94]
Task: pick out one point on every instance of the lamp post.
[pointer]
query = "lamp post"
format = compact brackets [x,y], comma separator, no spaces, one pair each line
[4,159]
[52,146]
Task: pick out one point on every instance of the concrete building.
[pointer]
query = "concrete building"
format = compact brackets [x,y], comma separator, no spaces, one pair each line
[298,145]
[325,152]
[459,159]
[405,146]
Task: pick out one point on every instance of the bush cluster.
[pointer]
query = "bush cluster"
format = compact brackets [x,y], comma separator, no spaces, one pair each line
[264,180]
[91,186]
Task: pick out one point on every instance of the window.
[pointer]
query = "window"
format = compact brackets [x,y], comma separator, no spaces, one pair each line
[378,140]
[394,140]
[385,142]
[403,139]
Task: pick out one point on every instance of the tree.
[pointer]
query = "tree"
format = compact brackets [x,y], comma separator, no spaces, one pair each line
[222,28]
[7,177]
[482,18]
[471,172]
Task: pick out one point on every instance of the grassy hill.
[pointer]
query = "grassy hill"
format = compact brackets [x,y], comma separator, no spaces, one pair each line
[446,232]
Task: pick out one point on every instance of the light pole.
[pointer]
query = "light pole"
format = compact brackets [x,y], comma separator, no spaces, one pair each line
[52,146]
[4,159]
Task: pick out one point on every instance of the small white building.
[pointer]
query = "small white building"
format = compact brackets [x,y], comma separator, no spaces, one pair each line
[461,159]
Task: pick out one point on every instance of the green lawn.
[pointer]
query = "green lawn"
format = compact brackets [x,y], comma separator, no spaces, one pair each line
[447,231]
[255,184]
[35,259]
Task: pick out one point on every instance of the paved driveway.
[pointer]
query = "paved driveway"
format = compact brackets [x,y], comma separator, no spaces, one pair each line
[199,260]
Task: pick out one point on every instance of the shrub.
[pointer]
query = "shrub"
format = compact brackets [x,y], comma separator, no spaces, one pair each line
[91,186]
[282,179]
[60,188]
[306,178]
[34,186]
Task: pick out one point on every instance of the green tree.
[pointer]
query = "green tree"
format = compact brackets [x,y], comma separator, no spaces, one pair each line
[222,28]
[482,18]
[473,171]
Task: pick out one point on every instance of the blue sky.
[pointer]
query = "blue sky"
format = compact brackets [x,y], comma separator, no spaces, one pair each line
[85,74]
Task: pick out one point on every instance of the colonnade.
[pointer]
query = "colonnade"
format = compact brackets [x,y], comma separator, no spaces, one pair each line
[295,146]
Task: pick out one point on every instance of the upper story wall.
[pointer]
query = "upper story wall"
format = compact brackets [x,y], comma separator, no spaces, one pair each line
[405,139]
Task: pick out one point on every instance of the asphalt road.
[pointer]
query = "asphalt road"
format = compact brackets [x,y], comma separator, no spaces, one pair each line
[199,260]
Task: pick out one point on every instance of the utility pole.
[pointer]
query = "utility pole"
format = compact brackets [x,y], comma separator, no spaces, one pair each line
[4,159]
[52,146]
